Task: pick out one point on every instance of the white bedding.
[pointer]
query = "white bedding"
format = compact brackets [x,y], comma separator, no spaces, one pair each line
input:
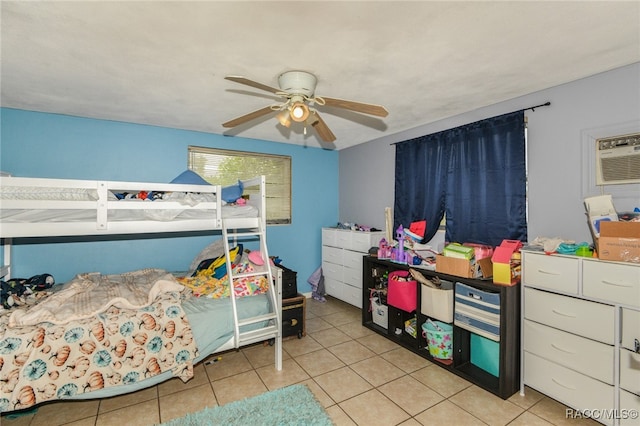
[47,193]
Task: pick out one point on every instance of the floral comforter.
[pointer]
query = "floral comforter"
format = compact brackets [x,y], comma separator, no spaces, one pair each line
[116,345]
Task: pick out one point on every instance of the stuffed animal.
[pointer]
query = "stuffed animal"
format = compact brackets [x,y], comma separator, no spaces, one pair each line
[231,193]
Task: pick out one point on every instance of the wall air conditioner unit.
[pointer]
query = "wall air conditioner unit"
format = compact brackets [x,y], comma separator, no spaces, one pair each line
[618,160]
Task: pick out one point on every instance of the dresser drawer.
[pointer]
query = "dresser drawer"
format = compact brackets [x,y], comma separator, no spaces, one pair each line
[329,237]
[332,254]
[577,353]
[552,272]
[630,328]
[581,317]
[363,241]
[629,408]
[352,276]
[630,371]
[334,287]
[331,270]
[573,389]
[352,295]
[613,282]
[343,238]
[352,259]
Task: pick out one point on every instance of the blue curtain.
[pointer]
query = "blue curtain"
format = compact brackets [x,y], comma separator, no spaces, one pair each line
[421,182]
[474,173]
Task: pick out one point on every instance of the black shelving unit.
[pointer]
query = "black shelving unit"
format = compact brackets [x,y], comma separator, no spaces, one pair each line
[508,380]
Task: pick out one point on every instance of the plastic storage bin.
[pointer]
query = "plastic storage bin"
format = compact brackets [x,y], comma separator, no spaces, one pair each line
[439,337]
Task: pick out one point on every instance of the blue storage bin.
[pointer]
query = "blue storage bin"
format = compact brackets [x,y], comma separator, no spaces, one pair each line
[477,311]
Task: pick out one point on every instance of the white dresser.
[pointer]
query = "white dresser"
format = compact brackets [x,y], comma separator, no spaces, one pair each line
[342,252]
[580,325]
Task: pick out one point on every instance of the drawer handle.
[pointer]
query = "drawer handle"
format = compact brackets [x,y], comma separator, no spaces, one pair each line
[553,345]
[563,314]
[542,271]
[615,284]
[563,385]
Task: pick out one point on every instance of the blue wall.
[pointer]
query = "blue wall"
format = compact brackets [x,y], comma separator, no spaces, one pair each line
[57,146]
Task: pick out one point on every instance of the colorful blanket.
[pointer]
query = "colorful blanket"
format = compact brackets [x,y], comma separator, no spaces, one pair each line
[118,345]
[205,283]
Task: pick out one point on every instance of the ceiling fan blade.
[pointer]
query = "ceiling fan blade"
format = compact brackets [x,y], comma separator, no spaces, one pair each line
[244,80]
[370,109]
[248,117]
[322,129]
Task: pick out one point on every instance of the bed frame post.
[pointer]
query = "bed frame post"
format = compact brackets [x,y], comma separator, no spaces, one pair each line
[5,271]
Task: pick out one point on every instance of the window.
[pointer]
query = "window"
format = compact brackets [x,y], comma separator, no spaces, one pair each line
[224,167]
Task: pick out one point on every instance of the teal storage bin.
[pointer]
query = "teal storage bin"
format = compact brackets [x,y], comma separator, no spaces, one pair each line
[439,336]
[485,353]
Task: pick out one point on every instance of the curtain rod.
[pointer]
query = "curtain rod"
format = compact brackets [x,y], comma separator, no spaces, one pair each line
[533,108]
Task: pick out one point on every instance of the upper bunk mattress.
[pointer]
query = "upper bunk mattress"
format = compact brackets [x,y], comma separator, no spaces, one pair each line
[122,215]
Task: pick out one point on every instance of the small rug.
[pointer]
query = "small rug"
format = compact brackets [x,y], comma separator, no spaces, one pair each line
[293,405]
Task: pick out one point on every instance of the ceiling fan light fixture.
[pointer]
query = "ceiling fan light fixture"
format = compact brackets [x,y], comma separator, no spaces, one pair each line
[299,112]
[312,120]
[284,118]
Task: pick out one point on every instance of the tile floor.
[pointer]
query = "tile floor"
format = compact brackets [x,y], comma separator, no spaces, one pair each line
[360,378]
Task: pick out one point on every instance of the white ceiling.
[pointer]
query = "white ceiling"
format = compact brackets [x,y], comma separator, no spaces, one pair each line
[163,63]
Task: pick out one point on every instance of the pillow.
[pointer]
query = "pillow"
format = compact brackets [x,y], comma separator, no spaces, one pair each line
[255,257]
[189,177]
[233,192]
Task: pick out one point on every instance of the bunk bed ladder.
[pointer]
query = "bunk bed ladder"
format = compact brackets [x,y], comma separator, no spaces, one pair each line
[248,330]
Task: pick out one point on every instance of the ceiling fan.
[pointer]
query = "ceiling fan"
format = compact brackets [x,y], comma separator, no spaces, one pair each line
[297,88]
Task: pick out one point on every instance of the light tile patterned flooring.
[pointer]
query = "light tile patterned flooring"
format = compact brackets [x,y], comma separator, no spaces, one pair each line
[360,378]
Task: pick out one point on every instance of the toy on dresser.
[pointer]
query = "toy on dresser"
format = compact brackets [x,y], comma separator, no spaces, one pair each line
[396,254]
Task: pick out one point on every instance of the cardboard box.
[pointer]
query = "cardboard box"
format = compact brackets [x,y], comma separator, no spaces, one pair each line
[506,263]
[454,266]
[463,267]
[619,241]
[486,267]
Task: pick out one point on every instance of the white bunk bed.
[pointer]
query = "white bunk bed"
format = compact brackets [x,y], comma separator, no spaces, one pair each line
[35,207]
